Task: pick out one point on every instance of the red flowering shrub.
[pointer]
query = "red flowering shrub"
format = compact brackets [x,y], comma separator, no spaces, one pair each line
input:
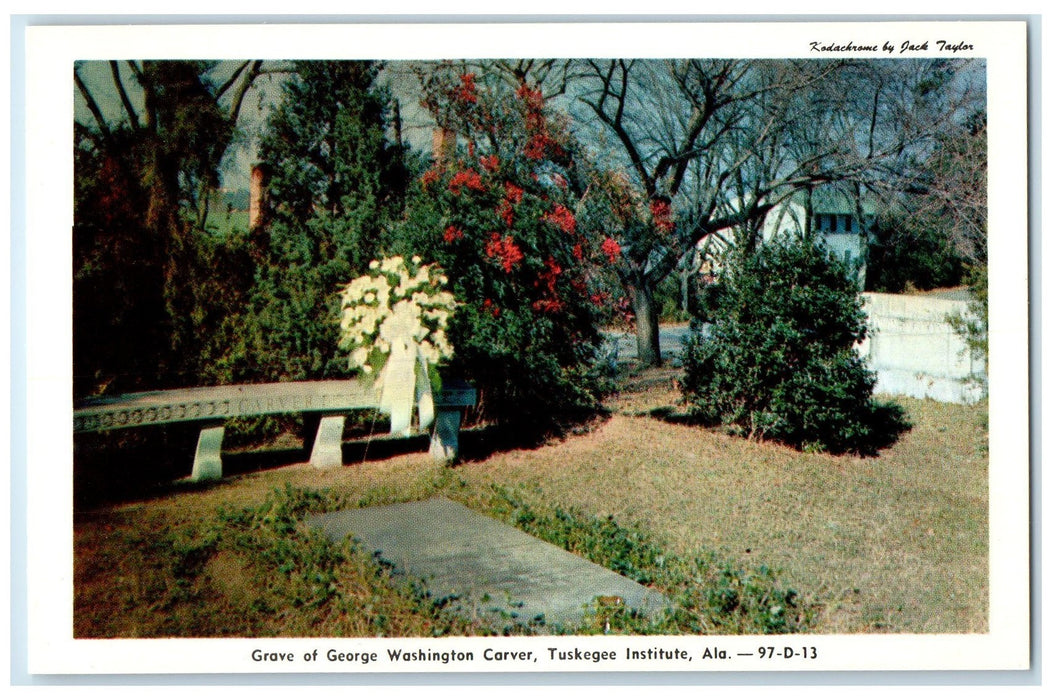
[548,278]
[500,221]
[466,178]
[563,218]
[513,192]
[466,91]
[536,147]
[541,143]
[430,177]
[505,250]
[533,99]
[506,212]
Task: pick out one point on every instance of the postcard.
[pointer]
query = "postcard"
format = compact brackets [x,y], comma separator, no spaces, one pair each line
[527,347]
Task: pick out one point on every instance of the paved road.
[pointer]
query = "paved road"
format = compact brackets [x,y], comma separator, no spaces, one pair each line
[671,338]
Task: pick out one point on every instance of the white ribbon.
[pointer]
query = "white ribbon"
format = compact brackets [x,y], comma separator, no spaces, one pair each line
[425,402]
[405,381]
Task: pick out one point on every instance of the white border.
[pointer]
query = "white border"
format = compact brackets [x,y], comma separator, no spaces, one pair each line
[50,55]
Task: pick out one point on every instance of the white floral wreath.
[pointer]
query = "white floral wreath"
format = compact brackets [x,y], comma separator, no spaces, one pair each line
[393,325]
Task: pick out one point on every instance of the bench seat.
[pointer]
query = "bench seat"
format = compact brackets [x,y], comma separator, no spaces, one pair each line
[213,405]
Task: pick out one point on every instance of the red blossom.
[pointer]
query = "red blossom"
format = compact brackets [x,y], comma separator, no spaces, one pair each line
[563,218]
[548,278]
[537,147]
[536,122]
[549,306]
[505,249]
[430,177]
[578,252]
[549,275]
[452,233]
[466,91]
[600,298]
[506,212]
[490,163]
[533,97]
[611,248]
[466,178]
[514,192]
[540,142]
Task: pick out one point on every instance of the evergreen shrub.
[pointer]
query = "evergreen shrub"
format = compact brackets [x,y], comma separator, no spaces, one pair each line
[779,360]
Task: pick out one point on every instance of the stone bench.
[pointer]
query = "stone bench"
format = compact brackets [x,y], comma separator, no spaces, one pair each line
[213,405]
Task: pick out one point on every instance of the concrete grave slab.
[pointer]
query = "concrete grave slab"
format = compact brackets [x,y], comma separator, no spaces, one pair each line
[490,568]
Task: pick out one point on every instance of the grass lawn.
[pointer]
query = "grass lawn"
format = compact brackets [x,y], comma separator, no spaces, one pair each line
[897,543]
[225,222]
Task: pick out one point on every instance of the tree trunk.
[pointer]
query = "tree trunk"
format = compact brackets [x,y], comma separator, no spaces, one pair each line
[863,237]
[647,342]
[684,288]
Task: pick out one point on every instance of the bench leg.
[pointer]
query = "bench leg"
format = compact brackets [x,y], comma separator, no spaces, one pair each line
[207,461]
[328,444]
[445,440]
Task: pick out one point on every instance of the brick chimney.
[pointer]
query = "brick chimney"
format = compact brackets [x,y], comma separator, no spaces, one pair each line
[443,144]
[256,194]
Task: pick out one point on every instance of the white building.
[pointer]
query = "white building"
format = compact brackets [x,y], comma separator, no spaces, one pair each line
[835,225]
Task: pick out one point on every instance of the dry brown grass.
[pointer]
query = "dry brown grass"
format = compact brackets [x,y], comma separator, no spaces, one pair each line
[895,543]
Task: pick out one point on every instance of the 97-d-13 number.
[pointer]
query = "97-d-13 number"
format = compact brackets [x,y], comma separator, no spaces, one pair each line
[788,653]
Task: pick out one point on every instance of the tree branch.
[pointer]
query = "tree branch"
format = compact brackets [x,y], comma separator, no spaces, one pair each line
[93,106]
[233,78]
[242,89]
[616,121]
[125,100]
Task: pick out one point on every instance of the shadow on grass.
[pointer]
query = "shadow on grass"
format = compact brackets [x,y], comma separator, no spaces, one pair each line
[885,424]
[158,463]
[482,442]
[152,462]
[670,414]
[888,423]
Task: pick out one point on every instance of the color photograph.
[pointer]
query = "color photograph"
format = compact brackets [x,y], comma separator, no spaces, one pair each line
[402,360]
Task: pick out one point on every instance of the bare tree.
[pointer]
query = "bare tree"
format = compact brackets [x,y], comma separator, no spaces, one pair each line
[704,142]
[712,146]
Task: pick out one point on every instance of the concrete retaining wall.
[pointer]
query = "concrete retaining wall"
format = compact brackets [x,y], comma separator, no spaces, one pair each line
[914,350]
